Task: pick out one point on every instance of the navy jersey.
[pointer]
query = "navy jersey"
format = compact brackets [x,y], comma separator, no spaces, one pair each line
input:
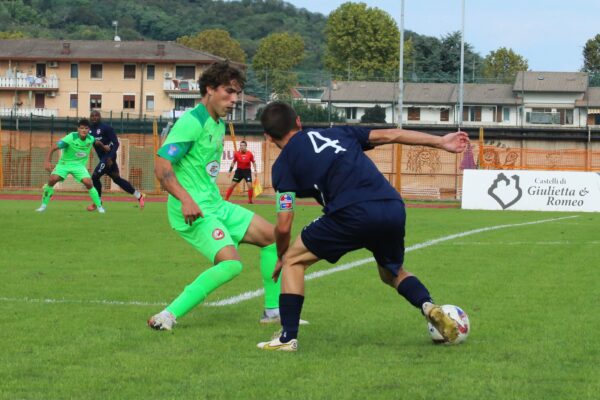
[330,165]
[105,134]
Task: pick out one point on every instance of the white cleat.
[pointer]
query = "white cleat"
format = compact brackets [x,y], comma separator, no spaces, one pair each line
[41,209]
[101,210]
[164,320]
[276,345]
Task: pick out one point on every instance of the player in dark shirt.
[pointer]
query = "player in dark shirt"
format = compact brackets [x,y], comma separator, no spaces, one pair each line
[106,147]
[361,210]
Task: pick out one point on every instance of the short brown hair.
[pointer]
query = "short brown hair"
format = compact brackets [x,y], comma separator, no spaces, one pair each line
[221,73]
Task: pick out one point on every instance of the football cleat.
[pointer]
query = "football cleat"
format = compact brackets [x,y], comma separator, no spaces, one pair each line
[101,210]
[142,201]
[276,345]
[445,325]
[91,207]
[164,320]
[41,209]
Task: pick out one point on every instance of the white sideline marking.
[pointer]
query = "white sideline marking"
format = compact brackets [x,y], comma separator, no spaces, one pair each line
[259,292]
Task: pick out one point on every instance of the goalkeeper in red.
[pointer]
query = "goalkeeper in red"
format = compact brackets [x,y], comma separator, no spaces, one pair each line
[76,148]
[188,166]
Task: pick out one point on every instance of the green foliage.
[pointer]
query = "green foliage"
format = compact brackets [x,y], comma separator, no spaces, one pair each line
[277,54]
[315,113]
[503,65]
[362,42]
[217,42]
[591,55]
[374,115]
[12,35]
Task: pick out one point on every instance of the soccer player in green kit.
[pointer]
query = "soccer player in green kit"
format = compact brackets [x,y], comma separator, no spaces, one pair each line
[188,166]
[76,147]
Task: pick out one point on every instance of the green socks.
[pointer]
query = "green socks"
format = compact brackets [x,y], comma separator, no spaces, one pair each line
[95,197]
[48,192]
[209,280]
[268,259]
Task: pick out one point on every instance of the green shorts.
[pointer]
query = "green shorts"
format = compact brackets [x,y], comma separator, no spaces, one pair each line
[223,226]
[79,172]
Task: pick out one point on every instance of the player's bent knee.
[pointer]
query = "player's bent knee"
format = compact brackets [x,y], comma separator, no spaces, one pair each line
[225,271]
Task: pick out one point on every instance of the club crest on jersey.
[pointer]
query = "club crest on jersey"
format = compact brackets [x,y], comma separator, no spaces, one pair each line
[212,168]
[218,234]
[172,150]
[286,202]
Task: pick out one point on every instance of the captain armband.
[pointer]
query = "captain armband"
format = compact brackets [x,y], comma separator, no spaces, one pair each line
[285,201]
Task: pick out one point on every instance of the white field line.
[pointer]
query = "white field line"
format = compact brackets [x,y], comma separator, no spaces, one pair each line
[259,292]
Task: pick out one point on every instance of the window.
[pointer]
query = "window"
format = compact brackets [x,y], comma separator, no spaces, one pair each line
[129,71]
[128,101]
[445,114]
[414,114]
[74,70]
[95,101]
[505,114]
[96,71]
[183,104]
[73,99]
[150,72]
[185,72]
[350,112]
[150,103]
[569,117]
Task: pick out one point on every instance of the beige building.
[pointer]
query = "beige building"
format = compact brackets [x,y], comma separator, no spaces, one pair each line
[69,78]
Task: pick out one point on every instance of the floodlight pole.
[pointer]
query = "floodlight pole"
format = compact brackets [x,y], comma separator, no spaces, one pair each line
[401,72]
[461,87]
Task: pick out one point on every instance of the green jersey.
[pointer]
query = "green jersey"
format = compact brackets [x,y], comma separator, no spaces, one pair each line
[75,151]
[194,147]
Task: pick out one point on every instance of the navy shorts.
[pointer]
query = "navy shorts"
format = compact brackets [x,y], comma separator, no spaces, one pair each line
[376,225]
[244,174]
[102,168]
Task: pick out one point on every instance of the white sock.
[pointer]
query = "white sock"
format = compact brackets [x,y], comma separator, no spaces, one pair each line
[137,194]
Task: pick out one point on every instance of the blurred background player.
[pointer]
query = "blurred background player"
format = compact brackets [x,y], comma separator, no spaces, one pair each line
[361,210]
[187,167]
[106,146]
[243,158]
[76,148]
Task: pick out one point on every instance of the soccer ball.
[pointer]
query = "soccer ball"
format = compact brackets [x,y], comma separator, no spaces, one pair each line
[462,320]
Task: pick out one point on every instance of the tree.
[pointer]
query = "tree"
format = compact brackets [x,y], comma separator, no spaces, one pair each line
[12,35]
[503,64]
[277,54]
[591,55]
[374,115]
[362,42]
[217,42]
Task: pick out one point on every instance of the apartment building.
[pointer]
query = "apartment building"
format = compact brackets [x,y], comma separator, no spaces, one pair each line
[71,77]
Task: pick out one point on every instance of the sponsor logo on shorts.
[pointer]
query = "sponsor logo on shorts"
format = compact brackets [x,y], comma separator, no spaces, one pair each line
[285,202]
[212,168]
[218,234]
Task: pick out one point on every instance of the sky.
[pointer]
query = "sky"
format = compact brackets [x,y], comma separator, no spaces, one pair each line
[550,34]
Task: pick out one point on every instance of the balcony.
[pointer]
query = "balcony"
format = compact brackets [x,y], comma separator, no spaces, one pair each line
[181,85]
[26,112]
[29,83]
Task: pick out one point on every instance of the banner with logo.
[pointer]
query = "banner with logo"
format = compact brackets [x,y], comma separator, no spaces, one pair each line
[531,190]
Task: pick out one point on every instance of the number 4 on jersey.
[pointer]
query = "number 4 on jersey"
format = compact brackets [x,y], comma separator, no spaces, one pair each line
[325,142]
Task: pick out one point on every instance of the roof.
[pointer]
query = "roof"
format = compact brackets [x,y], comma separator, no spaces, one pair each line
[535,81]
[101,50]
[591,99]
[485,93]
[420,93]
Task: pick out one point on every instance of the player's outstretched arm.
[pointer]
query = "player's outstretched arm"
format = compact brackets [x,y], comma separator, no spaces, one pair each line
[48,162]
[455,142]
[165,174]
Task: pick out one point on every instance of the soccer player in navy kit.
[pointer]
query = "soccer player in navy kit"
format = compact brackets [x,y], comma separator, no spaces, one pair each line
[106,146]
[361,210]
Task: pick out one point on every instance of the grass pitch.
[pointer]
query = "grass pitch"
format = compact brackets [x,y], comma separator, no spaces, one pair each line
[76,290]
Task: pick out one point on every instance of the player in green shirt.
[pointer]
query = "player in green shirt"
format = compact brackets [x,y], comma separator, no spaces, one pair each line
[76,147]
[188,166]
